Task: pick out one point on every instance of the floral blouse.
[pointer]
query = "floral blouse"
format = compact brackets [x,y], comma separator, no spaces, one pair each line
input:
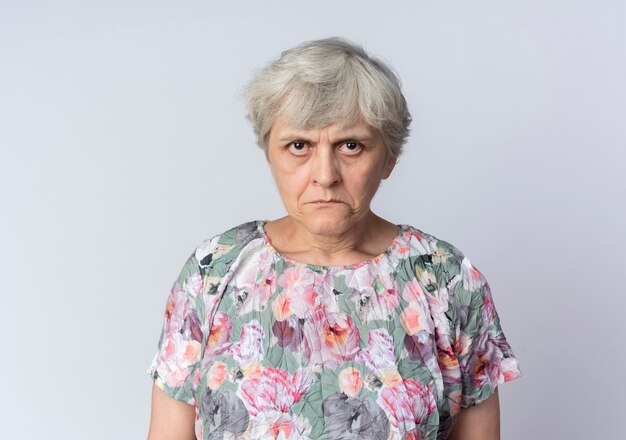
[266,347]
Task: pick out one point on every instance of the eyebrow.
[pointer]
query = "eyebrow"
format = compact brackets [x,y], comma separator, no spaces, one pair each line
[292,136]
[359,137]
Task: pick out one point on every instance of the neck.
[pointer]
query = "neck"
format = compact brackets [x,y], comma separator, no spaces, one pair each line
[331,245]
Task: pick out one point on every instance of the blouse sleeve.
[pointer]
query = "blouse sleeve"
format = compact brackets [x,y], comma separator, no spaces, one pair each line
[176,362]
[486,359]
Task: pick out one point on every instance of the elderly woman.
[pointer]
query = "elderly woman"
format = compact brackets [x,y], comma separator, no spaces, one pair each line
[330,322]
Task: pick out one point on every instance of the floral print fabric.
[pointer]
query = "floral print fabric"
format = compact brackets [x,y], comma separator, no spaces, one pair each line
[266,347]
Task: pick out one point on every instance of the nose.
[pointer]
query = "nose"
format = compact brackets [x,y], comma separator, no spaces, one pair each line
[325,167]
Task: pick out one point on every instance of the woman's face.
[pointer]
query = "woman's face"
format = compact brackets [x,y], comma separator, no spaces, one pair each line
[327,177]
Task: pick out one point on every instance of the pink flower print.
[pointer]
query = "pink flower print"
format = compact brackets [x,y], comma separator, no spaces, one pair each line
[413,319]
[219,336]
[418,326]
[297,297]
[175,358]
[302,305]
[379,355]
[412,291]
[509,370]
[383,304]
[449,366]
[419,348]
[405,401]
[451,377]
[403,251]
[302,380]
[253,286]
[293,280]
[175,309]
[482,370]
[325,295]
[350,381]
[488,310]
[361,280]
[419,245]
[281,306]
[276,425]
[416,247]
[289,333]
[191,327]
[190,352]
[216,375]
[472,278]
[211,302]
[388,291]
[485,359]
[379,302]
[330,338]
[267,285]
[174,375]
[438,304]
[416,317]
[250,345]
[407,405]
[274,390]
[194,284]
[198,425]
[415,322]
[294,303]
[454,401]
[197,376]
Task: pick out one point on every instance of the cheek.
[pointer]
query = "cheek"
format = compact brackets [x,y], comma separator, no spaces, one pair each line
[365,180]
[290,180]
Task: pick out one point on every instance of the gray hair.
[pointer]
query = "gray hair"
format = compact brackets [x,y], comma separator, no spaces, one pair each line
[322,82]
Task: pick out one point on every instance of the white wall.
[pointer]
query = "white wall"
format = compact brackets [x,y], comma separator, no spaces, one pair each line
[124,144]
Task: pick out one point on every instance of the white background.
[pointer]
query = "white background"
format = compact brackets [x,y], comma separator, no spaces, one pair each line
[124,145]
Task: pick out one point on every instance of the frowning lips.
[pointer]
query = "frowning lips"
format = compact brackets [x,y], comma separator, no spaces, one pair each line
[326,201]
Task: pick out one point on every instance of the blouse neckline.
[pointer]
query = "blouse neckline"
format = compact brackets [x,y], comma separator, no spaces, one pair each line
[395,244]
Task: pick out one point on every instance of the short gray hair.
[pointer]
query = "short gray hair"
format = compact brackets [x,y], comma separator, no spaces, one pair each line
[322,82]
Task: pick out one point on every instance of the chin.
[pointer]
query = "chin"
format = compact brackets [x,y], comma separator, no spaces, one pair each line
[326,223]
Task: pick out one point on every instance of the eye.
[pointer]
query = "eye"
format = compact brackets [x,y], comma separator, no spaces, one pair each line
[298,148]
[351,147]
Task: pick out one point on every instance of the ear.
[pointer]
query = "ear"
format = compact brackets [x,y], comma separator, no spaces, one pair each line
[265,147]
[388,167]
[269,162]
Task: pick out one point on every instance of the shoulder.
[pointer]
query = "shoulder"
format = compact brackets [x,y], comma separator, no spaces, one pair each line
[440,251]
[226,246]
[450,265]
[213,257]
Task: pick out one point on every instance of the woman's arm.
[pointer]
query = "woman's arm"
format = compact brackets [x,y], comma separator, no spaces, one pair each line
[170,418]
[480,422]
